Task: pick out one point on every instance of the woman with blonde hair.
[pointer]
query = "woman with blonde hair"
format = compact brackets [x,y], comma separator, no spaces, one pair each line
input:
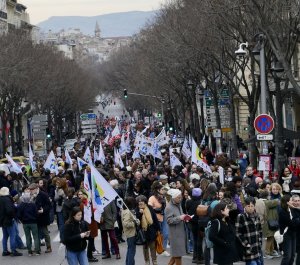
[276,191]
[150,226]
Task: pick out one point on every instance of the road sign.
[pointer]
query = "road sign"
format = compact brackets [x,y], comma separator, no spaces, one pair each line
[38,118]
[217,133]
[87,122]
[264,137]
[89,131]
[88,116]
[264,124]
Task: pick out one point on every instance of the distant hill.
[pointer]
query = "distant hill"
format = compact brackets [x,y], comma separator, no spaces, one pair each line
[111,25]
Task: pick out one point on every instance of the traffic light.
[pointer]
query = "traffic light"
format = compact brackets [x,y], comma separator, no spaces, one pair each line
[125,93]
[48,133]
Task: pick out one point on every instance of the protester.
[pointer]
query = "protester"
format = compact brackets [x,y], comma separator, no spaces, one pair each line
[150,226]
[175,219]
[75,236]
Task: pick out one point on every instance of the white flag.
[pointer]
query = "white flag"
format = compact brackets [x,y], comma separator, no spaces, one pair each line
[95,155]
[80,163]
[31,155]
[174,161]
[117,158]
[51,163]
[14,166]
[102,193]
[136,153]
[203,141]
[197,159]
[221,174]
[128,147]
[123,147]
[101,155]
[106,139]
[186,150]
[87,210]
[68,158]
[87,156]
[115,131]
[155,151]
[162,138]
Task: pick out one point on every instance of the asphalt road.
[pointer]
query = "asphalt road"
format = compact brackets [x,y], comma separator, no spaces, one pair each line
[57,256]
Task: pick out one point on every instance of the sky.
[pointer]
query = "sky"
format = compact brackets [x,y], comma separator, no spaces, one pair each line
[40,10]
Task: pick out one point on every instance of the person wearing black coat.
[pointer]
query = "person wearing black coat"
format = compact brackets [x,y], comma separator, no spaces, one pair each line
[43,206]
[285,219]
[8,223]
[222,235]
[75,235]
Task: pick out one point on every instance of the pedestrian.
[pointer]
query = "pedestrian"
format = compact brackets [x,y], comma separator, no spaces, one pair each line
[7,219]
[75,235]
[249,233]
[289,238]
[222,235]
[150,226]
[295,209]
[43,206]
[175,219]
[27,214]
[130,222]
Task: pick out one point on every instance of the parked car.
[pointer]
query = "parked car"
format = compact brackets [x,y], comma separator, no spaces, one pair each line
[20,160]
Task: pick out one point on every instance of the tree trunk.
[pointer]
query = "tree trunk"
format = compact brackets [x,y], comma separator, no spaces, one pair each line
[279,144]
[12,136]
[234,147]
[252,146]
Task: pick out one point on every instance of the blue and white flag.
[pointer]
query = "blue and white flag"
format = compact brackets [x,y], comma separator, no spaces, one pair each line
[31,155]
[186,150]
[117,159]
[81,163]
[87,156]
[14,166]
[155,151]
[68,158]
[95,155]
[123,147]
[116,131]
[51,163]
[128,147]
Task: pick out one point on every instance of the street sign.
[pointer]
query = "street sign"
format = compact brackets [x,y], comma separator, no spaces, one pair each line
[217,133]
[264,124]
[264,137]
[89,131]
[87,122]
[38,118]
[88,116]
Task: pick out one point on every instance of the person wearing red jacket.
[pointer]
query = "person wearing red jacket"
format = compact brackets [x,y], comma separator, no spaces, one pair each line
[294,168]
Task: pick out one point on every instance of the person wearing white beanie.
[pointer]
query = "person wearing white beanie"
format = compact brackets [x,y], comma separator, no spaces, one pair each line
[175,219]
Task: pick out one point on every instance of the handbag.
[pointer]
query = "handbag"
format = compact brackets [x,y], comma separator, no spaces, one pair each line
[140,238]
[279,237]
[273,225]
[159,243]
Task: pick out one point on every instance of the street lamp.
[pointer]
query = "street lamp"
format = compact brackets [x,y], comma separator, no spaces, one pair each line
[259,49]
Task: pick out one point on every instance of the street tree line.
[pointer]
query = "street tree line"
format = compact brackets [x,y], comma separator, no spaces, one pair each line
[194,42]
[45,79]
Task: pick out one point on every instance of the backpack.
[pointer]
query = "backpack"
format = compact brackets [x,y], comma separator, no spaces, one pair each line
[208,243]
[203,211]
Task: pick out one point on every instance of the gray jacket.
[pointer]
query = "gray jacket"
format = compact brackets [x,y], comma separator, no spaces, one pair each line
[109,217]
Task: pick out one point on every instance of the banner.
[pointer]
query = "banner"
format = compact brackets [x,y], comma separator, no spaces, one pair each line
[102,193]
[162,138]
[87,210]
[68,158]
[80,163]
[197,159]
[87,156]
[14,166]
[174,161]
[51,163]
[155,151]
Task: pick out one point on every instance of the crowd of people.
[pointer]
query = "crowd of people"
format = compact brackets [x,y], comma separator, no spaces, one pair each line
[194,211]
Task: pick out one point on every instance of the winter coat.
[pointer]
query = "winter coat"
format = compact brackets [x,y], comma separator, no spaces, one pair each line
[27,213]
[224,240]
[158,207]
[129,222]
[296,221]
[191,207]
[7,211]
[42,201]
[109,217]
[249,231]
[177,235]
[69,204]
[271,214]
[72,238]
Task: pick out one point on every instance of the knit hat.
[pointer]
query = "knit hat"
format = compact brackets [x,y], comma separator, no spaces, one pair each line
[4,191]
[174,193]
[196,192]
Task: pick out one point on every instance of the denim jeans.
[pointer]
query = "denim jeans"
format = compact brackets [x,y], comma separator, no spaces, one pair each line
[74,258]
[61,223]
[165,232]
[289,248]
[189,239]
[131,249]
[258,261]
[18,240]
[28,230]
[9,232]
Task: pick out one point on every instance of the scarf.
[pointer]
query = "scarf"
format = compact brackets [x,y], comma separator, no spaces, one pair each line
[146,219]
[286,183]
